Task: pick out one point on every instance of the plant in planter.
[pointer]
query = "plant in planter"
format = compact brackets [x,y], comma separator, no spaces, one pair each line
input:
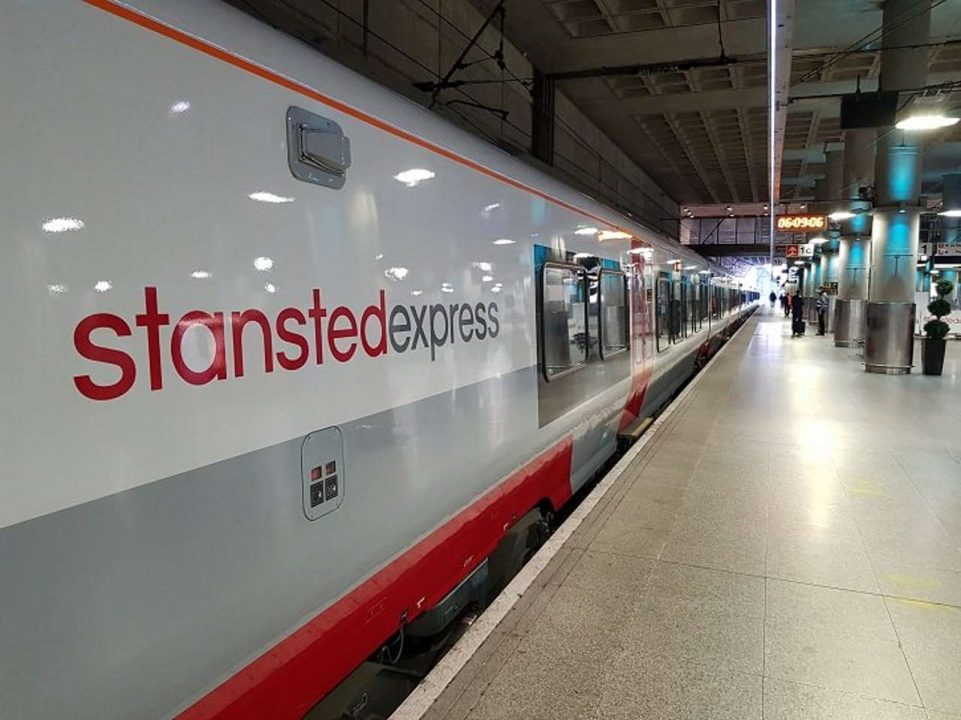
[935,331]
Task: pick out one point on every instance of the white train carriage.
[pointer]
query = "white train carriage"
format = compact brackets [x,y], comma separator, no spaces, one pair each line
[285,358]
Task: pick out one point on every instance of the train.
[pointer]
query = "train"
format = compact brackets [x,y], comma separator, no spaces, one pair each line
[289,361]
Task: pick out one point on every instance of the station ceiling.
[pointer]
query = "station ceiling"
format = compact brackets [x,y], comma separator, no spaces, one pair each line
[700,128]
[681,85]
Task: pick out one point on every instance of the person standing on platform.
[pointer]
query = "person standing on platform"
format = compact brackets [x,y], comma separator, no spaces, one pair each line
[786,303]
[773,298]
[821,305]
[797,315]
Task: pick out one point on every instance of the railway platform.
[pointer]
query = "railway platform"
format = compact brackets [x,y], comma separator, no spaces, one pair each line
[785,544]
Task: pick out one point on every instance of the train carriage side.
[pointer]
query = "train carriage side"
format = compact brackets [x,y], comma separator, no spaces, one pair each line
[259,419]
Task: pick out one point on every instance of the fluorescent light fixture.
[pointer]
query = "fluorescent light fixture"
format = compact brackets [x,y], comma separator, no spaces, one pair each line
[672,261]
[395,273]
[414,176]
[483,266]
[703,272]
[504,241]
[841,215]
[270,287]
[636,251]
[487,278]
[181,106]
[446,288]
[102,286]
[613,235]
[819,240]
[581,255]
[932,121]
[798,262]
[586,231]
[492,206]
[690,267]
[415,293]
[495,289]
[950,213]
[57,289]
[379,256]
[263,264]
[200,275]
[269,197]
[62,224]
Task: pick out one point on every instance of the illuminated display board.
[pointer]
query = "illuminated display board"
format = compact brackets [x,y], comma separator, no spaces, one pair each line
[802,223]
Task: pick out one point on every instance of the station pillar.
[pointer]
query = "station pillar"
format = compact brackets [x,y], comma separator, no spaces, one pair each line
[853,252]
[890,311]
[833,184]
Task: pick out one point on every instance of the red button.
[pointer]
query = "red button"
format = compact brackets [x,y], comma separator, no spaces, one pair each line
[315,474]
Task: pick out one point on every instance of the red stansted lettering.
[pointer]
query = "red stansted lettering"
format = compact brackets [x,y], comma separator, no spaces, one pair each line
[289,336]
[317,313]
[217,370]
[152,319]
[335,333]
[379,314]
[98,353]
[239,320]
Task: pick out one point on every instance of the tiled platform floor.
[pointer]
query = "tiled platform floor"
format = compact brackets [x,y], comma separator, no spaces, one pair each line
[788,546]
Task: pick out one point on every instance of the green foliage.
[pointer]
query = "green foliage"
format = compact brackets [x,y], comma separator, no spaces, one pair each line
[944,287]
[936,329]
[939,307]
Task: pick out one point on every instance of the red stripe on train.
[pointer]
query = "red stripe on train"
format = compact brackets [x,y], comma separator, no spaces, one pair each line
[289,679]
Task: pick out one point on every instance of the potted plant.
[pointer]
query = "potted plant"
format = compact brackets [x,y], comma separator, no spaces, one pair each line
[935,331]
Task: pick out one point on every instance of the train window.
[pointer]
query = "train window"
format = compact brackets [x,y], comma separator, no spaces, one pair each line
[613,312]
[564,319]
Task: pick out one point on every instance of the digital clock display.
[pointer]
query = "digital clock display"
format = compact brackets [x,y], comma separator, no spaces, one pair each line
[802,223]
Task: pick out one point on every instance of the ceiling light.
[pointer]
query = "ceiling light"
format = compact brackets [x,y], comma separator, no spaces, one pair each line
[613,235]
[62,224]
[414,176]
[492,206]
[57,289]
[798,262]
[841,215]
[395,273]
[269,197]
[581,255]
[102,286]
[263,264]
[270,287]
[495,289]
[703,272]
[690,267]
[415,293]
[483,266]
[181,106]
[487,278]
[504,241]
[586,231]
[819,240]
[200,274]
[950,213]
[926,122]
[672,261]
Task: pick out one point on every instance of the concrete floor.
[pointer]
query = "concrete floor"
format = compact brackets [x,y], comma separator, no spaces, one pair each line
[788,546]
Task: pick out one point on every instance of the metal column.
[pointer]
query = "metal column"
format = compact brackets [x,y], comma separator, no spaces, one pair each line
[852,263]
[890,310]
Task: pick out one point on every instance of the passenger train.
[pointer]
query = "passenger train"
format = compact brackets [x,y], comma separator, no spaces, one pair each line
[286,360]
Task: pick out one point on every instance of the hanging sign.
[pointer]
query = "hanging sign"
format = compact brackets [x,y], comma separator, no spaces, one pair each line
[802,223]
